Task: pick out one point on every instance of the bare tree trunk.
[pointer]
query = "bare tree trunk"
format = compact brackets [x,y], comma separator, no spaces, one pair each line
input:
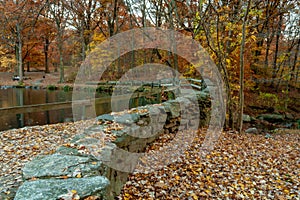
[266,65]
[294,74]
[46,49]
[241,93]
[61,63]
[278,34]
[111,22]
[19,52]
[132,62]
[83,45]
[174,43]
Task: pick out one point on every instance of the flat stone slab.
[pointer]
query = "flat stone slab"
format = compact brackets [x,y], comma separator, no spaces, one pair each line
[57,165]
[52,189]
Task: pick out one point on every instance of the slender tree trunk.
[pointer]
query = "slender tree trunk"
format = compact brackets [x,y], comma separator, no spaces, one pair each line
[241,93]
[83,46]
[229,122]
[296,78]
[16,68]
[61,63]
[266,65]
[174,43]
[294,74]
[111,22]
[19,52]
[278,34]
[132,57]
[28,66]
[47,43]
[173,47]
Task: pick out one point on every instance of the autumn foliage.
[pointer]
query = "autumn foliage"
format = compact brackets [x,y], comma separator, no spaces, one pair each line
[52,35]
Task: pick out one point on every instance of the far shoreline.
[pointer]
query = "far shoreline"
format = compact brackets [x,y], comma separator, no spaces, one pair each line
[34,79]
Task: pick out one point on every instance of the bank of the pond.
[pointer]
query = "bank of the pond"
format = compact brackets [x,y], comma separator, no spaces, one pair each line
[37,79]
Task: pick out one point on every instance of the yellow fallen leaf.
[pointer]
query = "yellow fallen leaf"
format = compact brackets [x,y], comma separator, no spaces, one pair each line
[207,191]
[127,196]
[78,175]
[74,191]
[194,196]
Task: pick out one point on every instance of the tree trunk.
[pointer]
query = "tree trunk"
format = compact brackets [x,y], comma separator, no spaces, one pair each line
[47,42]
[28,66]
[241,93]
[294,74]
[111,22]
[19,52]
[278,34]
[61,63]
[83,45]
[266,65]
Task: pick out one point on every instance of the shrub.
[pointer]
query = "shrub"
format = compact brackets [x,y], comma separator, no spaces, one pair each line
[67,88]
[268,100]
[51,87]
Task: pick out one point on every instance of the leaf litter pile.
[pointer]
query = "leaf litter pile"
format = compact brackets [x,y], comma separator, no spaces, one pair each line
[242,166]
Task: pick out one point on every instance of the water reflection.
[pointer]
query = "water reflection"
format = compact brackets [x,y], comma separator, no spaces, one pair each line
[19,96]
[12,97]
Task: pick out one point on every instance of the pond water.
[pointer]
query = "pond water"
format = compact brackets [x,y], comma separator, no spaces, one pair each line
[11,97]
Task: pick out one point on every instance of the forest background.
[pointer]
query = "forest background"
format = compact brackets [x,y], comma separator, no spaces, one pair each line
[255,44]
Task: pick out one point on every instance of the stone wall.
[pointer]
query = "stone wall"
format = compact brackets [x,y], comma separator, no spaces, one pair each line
[97,161]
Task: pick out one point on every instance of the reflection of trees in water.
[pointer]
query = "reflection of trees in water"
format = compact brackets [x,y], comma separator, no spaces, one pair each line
[20,102]
[20,97]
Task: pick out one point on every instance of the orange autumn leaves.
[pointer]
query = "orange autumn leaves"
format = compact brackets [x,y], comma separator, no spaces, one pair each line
[242,166]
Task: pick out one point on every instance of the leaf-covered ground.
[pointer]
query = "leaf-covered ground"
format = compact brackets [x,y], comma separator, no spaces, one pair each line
[18,146]
[242,166]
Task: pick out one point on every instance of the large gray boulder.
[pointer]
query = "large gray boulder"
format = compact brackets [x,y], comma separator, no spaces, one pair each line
[57,165]
[52,189]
